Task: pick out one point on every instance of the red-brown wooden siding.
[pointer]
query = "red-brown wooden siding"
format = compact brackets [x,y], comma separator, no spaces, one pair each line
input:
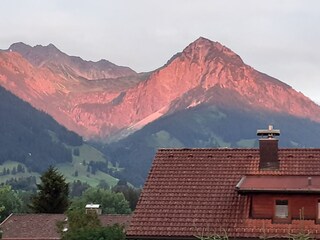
[263,206]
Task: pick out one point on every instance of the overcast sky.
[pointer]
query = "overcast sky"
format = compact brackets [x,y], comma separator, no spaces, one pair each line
[278,37]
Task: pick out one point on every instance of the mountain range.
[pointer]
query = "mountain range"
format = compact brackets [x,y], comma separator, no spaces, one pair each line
[203,96]
[101,100]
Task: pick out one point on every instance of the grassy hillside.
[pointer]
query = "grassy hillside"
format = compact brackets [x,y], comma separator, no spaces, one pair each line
[27,135]
[31,141]
[203,127]
[78,169]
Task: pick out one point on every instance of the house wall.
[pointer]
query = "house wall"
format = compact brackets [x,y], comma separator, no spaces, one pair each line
[300,206]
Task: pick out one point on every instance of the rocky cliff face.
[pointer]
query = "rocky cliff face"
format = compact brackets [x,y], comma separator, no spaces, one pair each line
[117,101]
[206,72]
[35,77]
[213,66]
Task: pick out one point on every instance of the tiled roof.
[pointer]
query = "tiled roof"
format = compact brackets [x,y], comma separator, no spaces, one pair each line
[111,219]
[31,226]
[43,226]
[192,192]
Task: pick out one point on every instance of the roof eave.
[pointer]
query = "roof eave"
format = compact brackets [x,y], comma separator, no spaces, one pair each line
[308,191]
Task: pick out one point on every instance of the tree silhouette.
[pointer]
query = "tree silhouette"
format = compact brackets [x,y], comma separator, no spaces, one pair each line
[52,195]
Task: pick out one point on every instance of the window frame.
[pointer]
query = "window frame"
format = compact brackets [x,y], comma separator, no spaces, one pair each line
[318,211]
[276,219]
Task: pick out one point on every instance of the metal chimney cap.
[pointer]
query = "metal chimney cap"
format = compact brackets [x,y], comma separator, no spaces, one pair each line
[270,132]
[92,205]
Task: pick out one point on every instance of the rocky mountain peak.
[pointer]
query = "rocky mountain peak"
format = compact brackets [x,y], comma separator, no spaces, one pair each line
[20,47]
[49,49]
[38,55]
[24,49]
[204,43]
[73,67]
[120,101]
[204,49]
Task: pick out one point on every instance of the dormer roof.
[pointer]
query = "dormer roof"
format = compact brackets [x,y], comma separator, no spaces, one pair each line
[279,184]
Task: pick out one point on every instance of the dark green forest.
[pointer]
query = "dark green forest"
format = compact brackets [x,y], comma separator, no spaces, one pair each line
[32,137]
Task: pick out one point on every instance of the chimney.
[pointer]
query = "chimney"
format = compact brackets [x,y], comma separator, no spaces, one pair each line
[92,208]
[268,148]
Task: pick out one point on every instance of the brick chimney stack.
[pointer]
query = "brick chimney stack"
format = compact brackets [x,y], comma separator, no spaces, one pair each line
[268,148]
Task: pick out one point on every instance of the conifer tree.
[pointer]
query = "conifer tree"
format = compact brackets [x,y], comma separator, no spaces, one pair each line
[52,195]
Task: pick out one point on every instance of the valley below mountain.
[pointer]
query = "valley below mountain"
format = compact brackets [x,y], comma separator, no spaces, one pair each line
[31,141]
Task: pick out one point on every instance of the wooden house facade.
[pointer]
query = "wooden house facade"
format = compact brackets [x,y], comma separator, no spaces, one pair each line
[282,198]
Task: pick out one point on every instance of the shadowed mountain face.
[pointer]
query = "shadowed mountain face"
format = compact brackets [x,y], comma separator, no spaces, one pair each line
[103,101]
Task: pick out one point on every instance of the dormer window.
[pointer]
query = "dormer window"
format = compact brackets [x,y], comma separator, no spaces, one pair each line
[281,209]
[282,198]
[281,214]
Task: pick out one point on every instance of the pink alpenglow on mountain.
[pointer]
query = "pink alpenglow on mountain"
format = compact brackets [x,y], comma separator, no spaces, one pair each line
[106,101]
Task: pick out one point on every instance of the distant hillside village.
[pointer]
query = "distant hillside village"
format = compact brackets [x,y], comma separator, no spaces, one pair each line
[190,193]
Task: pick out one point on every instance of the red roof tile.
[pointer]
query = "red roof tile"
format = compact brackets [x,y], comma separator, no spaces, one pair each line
[31,226]
[111,219]
[192,192]
[43,226]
